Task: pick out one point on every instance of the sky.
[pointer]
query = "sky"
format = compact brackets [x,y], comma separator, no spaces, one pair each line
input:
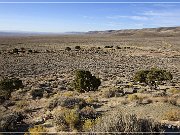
[82,17]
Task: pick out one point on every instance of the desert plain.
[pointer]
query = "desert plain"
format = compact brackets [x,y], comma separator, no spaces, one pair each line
[47,63]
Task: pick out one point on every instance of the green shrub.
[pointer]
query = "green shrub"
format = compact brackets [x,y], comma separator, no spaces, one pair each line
[72,118]
[84,81]
[30,51]
[71,102]
[88,113]
[68,49]
[108,46]
[59,120]
[89,123]
[77,47]
[36,51]
[10,84]
[37,93]
[141,76]
[68,102]
[152,77]
[67,119]
[10,122]
[7,86]
[4,95]
[117,47]
[75,119]
[15,50]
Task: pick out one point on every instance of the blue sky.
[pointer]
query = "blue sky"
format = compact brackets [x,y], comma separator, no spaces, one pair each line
[87,17]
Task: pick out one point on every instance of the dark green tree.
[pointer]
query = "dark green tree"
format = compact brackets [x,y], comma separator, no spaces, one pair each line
[77,47]
[152,77]
[15,50]
[7,86]
[85,81]
[68,49]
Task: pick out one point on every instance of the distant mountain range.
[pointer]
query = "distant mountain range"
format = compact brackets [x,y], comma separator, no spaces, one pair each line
[145,32]
[21,33]
[162,31]
[13,33]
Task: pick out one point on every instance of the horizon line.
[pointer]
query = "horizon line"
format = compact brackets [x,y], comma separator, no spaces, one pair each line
[52,32]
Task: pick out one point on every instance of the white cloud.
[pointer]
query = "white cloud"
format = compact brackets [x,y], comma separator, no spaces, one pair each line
[160,13]
[134,17]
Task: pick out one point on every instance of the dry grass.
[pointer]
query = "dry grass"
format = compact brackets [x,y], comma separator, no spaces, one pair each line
[170,100]
[172,115]
[118,122]
[36,130]
[112,92]
[136,97]
[91,100]
[174,90]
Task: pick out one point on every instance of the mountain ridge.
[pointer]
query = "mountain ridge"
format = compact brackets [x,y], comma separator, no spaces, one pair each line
[161,31]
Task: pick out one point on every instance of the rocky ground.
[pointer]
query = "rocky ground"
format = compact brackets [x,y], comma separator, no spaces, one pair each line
[50,67]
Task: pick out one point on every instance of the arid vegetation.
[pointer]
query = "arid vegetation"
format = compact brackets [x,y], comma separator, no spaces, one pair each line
[89,83]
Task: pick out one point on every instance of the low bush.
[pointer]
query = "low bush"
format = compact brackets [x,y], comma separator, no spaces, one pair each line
[117,122]
[89,123]
[84,81]
[36,51]
[68,102]
[4,95]
[91,100]
[72,118]
[36,130]
[174,90]
[8,85]
[10,122]
[113,92]
[75,119]
[108,46]
[152,77]
[172,101]
[77,47]
[66,119]
[30,51]
[15,50]
[88,113]
[133,97]
[37,93]
[68,49]
[117,47]
[59,120]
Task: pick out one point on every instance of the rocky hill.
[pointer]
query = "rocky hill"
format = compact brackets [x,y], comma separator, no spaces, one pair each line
[145,32]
